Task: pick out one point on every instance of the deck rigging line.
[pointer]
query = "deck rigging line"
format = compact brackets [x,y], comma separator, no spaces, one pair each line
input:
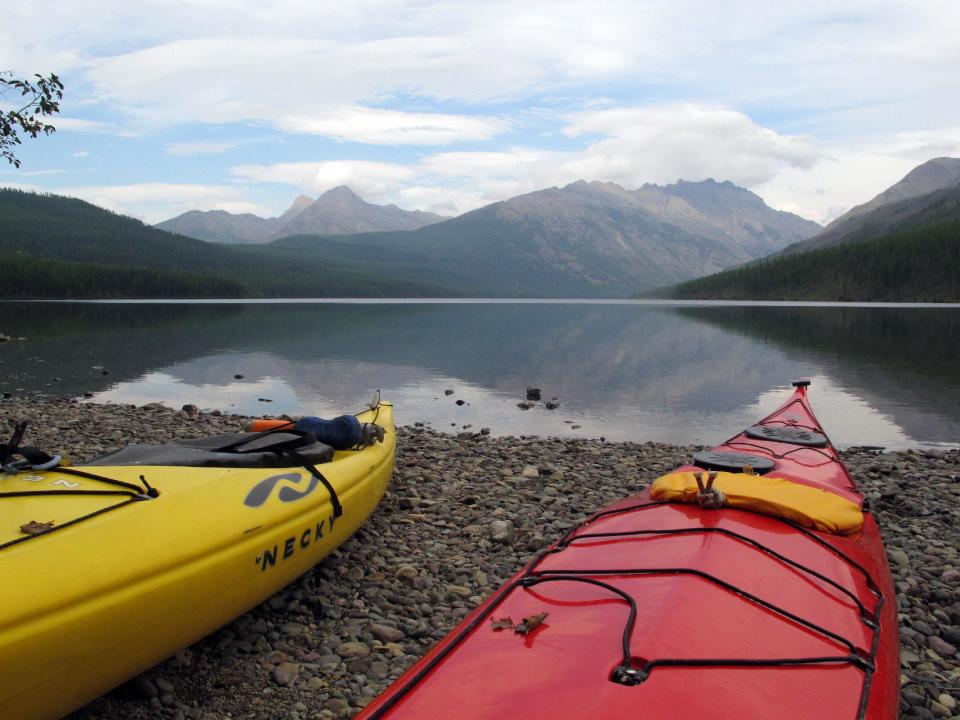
[626,673]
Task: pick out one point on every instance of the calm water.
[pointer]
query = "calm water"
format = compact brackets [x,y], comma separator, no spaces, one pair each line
[882,375]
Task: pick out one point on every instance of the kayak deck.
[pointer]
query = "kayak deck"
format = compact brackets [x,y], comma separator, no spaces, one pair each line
[659,609]
[119,584]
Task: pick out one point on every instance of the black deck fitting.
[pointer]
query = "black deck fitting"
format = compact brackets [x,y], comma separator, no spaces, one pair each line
[628,676]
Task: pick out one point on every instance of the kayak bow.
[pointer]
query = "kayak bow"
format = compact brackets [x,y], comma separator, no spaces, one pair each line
[748,583]
[153,547]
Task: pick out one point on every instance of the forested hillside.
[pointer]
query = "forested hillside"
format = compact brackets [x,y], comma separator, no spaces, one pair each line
[58,247]
[915,264]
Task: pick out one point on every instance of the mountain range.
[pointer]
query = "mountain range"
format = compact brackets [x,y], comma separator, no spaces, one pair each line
[736,218]
[591,239]
[338,211]
[587,239]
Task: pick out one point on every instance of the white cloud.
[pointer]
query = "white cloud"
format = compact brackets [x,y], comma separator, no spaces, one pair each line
[846,176]
[372,180]
[80,125]
[920,145]
[443,200]
[240,207]
[153,202]
[81,154]
[184,149]
[392,127]
[632,146]
[26,187]
[691,142]
[239,60]
[629,146]
[508,163]
[455,182]
[33,173]
[445,183]
[814,105]
[832,186]
[299,86]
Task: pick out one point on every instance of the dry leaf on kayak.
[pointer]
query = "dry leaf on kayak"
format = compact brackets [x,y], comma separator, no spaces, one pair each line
[36,528]
[504,623]
[529,623]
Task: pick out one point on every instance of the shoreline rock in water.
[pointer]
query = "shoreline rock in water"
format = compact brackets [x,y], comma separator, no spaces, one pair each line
[460,517]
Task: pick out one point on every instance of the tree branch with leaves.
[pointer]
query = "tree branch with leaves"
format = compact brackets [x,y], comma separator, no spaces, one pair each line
[38,100]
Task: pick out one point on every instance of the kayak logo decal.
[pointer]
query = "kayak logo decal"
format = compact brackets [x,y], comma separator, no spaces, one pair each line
[262,491]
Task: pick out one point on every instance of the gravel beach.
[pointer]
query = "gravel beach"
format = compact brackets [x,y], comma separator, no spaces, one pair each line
[463,513]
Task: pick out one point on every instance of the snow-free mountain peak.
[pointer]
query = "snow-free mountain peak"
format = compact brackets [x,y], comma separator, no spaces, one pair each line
[904,198]
[339,211]
[935,174]
[300,203]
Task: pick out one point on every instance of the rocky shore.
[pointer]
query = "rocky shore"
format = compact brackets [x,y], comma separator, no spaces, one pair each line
[463,514]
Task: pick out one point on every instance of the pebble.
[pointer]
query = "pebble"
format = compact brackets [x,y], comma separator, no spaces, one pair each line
[144,687]
[386,634]
[939,710]
[286,673]
[503,531]
[294,628]
[898,557]
[338,706]
[908,657]
[459,591]
[353,649]
[459,519]
[941,647]
[407,572]
[164,685]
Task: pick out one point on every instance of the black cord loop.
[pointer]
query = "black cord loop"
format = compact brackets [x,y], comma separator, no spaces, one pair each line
[626,673]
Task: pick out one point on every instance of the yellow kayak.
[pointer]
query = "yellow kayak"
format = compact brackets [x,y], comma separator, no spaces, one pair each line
[97,586]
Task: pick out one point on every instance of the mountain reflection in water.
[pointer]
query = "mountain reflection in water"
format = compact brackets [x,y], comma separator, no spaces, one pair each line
[882,376]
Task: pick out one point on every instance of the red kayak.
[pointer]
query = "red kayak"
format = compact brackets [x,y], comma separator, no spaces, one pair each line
[752,583]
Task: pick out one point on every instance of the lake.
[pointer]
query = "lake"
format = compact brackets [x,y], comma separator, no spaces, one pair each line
[667,372]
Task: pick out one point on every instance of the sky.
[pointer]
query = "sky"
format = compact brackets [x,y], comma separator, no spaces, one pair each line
[447,106]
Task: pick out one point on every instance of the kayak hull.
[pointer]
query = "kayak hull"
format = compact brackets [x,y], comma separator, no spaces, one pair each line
[709,590]
[98,602]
